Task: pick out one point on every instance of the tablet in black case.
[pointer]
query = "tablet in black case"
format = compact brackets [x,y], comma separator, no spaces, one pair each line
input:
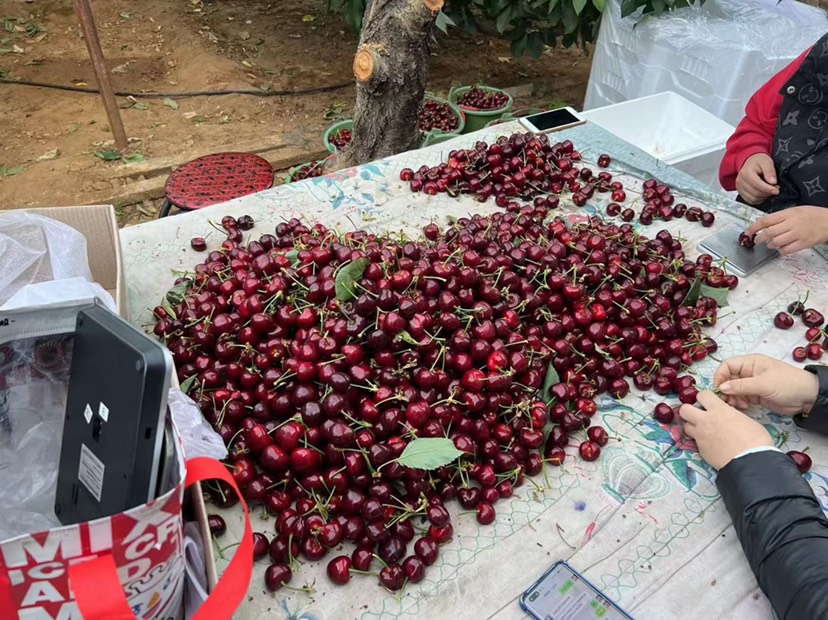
[114,424]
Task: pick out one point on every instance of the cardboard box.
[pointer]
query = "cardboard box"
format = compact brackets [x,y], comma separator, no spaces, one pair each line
[103,246]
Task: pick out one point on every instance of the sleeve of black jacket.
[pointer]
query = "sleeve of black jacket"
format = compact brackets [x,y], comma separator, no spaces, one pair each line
[817,419]
[783,532]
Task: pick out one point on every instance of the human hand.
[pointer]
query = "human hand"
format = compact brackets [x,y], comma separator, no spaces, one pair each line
[761,380]
[792,230]
[756,181]
[721,432]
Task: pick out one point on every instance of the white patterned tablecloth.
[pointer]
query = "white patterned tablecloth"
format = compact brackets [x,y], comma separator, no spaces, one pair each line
[644,523]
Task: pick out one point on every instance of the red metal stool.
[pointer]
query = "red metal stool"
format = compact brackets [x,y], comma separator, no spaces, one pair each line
[216,178]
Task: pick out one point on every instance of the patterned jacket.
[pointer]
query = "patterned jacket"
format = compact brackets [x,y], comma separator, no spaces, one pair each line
[787,119]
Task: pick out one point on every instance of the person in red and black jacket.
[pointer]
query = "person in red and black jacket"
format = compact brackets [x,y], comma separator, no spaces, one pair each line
[778,519]
[778,157]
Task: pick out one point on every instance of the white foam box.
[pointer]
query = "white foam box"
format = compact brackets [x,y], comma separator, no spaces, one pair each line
[672,129]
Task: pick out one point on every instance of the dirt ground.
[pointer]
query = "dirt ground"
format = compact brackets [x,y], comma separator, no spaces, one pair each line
[48,138]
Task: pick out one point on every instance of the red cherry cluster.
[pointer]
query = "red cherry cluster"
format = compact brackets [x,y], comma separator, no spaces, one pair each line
[813,320]
[659,207]
[341,139]
[231,226]
[309,171]
[477,98]
[438,115]
[527,166]
[318,358]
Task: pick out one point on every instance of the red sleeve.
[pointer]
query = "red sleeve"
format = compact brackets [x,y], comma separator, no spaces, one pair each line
[755,133]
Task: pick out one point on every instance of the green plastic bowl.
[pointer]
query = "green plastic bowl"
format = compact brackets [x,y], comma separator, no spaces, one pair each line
[478,119]
[436,137]
[291,176]
[346,124]
[461,117]
[506,118]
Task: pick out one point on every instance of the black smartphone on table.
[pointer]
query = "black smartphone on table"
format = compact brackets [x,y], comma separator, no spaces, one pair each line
[563,594]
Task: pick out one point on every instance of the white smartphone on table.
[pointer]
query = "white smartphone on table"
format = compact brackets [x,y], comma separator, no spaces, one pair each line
[552,120]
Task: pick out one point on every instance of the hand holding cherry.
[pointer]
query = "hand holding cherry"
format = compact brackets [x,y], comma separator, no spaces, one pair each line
[792,230]
[761,380]
[721,432]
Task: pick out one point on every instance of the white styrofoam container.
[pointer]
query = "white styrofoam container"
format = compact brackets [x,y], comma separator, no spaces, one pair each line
[716,55]
[672,129]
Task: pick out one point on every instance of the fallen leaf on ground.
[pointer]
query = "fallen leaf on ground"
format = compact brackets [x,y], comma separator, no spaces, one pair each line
[53,154]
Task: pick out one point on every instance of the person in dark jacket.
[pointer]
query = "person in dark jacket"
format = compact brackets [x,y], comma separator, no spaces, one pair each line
[779,522]
[778,157]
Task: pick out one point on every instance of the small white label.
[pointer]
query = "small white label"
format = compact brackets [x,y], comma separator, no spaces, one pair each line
[91,472]
[103,411]
[87,413]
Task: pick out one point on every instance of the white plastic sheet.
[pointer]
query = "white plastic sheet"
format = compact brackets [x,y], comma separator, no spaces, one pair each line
[36,249]
[198,436]
[716,55]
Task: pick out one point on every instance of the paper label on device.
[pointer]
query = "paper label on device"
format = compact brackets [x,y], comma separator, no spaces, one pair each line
[91,472]
[103,411]
[87,414]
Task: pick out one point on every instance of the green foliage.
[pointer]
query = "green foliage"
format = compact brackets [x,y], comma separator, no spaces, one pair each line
[530,25]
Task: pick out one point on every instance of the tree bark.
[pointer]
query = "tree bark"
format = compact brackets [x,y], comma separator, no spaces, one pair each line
[391,69]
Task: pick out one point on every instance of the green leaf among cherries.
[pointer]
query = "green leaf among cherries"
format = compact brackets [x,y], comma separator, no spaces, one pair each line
[188,383]
[347,278]
[693,294]
[551,379]
[176,294]
[719,294]
[429,453]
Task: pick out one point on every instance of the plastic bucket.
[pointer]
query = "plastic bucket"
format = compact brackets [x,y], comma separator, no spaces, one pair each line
[461,118]
[331,131]
[436,137]
[478,119]
[291,175]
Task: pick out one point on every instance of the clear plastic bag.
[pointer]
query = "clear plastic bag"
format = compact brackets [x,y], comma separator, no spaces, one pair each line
[197,435]
[34,373]
[715,55]
[37,249]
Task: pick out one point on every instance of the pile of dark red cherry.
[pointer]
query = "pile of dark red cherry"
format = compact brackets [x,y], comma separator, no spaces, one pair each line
[319,358]
[526,167]
[477,98]
[437,115]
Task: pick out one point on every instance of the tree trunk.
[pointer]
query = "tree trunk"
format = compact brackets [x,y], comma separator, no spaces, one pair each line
[391,70]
